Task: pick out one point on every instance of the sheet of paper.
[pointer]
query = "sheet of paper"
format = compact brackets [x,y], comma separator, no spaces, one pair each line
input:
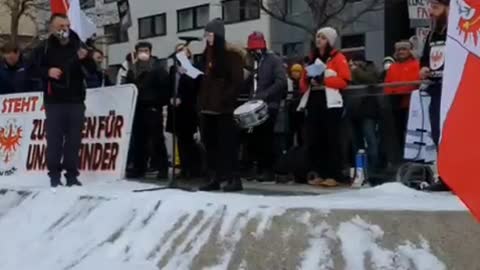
[192,72]
[316,69]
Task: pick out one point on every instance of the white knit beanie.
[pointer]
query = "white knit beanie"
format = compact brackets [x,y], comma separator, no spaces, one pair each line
[330,33]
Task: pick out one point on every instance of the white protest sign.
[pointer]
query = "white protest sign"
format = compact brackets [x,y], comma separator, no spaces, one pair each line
[418,9]
[106,134]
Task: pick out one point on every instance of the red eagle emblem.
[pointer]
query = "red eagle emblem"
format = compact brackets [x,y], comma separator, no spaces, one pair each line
[469,23]
[437,56]
[10,138]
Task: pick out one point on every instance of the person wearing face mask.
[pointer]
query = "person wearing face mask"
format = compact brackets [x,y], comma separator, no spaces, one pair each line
[223,77]
[324,109]
[186,117]
[62,62]
[432,65]
[271,88]
[98,77]
[151,79]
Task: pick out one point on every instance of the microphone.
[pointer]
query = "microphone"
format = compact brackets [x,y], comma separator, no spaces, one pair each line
[190,39]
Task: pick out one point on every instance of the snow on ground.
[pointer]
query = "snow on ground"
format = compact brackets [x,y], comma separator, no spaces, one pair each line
[106,226]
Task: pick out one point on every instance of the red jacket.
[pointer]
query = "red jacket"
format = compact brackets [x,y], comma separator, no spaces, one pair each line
[337,63]
[408,71]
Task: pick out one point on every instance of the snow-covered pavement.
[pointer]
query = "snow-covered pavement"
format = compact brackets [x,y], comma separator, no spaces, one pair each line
[106,226]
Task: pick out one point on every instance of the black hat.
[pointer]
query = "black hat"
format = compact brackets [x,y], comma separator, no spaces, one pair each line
[216,26]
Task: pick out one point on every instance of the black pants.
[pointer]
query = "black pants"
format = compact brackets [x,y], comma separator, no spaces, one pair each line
[323,137]
[64,123]
[435,92]
[187,151]
[220,135]
[261,143]
[149,140]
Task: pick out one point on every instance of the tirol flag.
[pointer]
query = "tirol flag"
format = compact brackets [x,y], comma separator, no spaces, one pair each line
[79,21]
[459,155]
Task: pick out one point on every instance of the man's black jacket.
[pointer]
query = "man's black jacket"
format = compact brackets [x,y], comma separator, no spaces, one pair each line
[70,88]
[152,81]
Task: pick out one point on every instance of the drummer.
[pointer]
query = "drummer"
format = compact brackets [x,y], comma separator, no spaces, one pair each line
[271,87]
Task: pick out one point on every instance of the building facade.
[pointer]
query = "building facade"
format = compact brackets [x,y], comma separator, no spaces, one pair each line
[163,22]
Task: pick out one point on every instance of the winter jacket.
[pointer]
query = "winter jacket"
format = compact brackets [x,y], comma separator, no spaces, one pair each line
[186,117]
[152,83]
[98,79]
[408,71]
[70,88]
[358,103]
[433,55]
[272,81]
[15,79]
[218,95]
[337,63]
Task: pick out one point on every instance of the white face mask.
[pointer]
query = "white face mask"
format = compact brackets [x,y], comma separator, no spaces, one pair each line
[143,56]
[62,35]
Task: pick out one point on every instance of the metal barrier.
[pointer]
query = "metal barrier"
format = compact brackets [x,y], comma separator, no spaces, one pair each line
[389,127]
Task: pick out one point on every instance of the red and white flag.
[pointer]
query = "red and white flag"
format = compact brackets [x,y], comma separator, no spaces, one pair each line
[79,21]
[459,155]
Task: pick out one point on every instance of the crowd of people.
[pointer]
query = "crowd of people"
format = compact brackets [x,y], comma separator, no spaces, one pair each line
[324,127]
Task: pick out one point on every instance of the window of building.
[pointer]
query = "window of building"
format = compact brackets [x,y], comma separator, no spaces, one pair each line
[109,1]
[293,49]
[86,4]
[193,18]
[152,26]
[294,7]
[240,10]
[198,59]
[115,33]
[353,45]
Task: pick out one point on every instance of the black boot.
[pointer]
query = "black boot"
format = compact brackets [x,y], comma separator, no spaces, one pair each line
[162,175]
[213,185]
[135,174]
[55,183]
[440,186]
[233,185]
[73,182]
[266,176]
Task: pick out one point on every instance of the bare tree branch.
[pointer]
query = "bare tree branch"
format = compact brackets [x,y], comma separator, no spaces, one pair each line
[374,5]
[19,9]
[281,15]
[322,12]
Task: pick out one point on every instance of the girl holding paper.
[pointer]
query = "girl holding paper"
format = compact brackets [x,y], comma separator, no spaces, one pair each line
[323,106]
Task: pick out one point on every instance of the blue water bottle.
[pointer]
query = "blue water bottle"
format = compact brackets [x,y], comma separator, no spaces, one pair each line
[360,165]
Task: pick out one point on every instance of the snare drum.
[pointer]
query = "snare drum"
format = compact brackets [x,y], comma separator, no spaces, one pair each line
[251,114]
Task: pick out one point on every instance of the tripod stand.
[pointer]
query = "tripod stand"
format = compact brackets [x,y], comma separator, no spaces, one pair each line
[173,183]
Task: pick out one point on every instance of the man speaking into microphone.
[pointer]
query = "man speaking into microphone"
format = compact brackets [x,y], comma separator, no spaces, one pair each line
[62,64]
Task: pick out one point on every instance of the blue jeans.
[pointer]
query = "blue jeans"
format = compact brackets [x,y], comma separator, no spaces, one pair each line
[365,131]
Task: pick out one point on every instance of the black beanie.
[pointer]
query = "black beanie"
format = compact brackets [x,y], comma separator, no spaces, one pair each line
[216,26]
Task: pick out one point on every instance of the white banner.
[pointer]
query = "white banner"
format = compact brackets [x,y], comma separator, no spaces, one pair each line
[419,145]
[106,134]
[418,9]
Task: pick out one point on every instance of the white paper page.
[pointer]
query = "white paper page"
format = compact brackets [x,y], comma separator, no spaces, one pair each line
[192,72]
[316,69]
